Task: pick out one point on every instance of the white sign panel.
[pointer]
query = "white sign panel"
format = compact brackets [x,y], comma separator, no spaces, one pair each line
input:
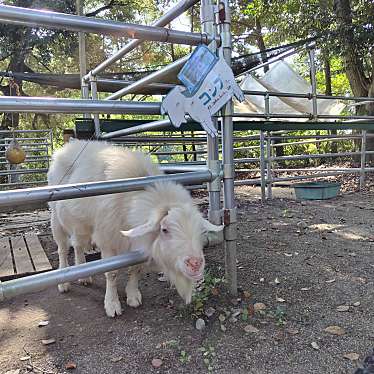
[203,97]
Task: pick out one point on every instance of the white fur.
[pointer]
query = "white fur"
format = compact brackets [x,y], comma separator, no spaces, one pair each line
[142,216]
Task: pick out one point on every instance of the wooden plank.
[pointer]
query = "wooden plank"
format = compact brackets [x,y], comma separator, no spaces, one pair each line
[39,258]
[21,255]
[6,263]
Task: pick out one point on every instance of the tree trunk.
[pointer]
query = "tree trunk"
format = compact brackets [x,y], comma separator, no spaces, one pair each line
[261,43]
[361,84]
[353,63]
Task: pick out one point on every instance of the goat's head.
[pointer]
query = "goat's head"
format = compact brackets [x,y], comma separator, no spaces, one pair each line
[177,244]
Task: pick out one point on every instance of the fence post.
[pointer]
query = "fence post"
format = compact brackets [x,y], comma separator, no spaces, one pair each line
[262,166]
[213,163]
[269,165]
[230,216]
[363,159]
[93,82]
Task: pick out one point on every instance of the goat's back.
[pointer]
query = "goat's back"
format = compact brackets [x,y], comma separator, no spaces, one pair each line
[89,161]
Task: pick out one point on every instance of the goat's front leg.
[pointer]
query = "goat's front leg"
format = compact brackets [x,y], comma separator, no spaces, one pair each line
[111,303]
[134,297]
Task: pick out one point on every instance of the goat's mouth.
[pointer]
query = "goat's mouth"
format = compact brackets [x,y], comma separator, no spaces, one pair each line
[195,276]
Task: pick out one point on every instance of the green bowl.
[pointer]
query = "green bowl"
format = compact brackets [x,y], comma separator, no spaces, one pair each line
[316,190]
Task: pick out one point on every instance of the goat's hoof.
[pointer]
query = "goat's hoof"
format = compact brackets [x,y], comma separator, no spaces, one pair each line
[113,308]
[134,299]
[64,287]
[85,281]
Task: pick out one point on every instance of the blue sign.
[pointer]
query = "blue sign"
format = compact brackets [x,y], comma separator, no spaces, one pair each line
[197,68]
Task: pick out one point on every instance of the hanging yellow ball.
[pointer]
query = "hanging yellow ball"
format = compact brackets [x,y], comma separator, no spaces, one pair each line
[14,153]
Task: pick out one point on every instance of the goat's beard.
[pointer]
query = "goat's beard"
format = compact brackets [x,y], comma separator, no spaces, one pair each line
[172,268]
[184,285]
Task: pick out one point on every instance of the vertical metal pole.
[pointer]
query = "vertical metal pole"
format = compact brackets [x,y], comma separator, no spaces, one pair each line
[230,216]
[214,188]
[262,166]
[82,57]
[363,159]
[313,80]
[268,170]
[267,160]
[93,82]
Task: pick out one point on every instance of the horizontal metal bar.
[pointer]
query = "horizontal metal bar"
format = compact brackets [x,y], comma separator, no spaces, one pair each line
[28,144]
[271,115]
[10,138]
[27,148]
[318,175]
[23,171]
[178,153]
[305,96]
[320,155]
[173,168]
[39,282]
[15,184]
[16,104]
[317,141]
[121,84]
[136,129]
[78,190]
[281,115]
[171,14]
[22,131]
[54,20]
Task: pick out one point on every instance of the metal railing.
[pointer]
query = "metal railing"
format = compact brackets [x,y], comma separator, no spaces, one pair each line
[211,174]
[38,146]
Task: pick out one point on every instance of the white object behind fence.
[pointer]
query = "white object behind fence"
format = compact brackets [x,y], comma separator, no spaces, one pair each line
[282,78]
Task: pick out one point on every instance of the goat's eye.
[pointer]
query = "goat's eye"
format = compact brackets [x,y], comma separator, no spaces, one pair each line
[164,231]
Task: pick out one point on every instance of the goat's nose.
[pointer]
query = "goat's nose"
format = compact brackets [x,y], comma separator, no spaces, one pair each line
[194,263]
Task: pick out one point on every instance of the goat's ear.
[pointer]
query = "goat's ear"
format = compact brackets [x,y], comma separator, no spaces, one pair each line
[140,230]
[210,227]
[152,225]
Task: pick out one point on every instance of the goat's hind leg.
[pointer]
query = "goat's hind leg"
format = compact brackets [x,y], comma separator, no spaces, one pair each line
[80,244]
[63,244]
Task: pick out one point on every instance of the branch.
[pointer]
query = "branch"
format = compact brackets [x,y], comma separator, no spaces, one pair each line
[94,13]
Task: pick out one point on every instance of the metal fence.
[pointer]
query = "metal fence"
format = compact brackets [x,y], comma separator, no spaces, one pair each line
[38,146]
[216,33]
[256,154]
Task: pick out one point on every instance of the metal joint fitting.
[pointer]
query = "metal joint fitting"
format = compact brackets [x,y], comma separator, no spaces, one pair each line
[215,216]
[92,78]
[229,216]
[228,171]
[215,168]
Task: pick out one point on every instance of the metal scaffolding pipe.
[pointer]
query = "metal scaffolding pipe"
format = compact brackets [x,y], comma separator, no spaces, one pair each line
[54,20]
[230,215]
[168,169]
[171,14]
[78,190]
[151,78]
[16,104]
[208,26]
[122,83]
[151,126]
[39,282]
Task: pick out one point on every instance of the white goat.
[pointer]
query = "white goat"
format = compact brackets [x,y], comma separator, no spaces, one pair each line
[162,219]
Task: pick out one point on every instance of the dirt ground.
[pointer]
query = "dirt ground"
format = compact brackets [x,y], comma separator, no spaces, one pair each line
[310,264]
